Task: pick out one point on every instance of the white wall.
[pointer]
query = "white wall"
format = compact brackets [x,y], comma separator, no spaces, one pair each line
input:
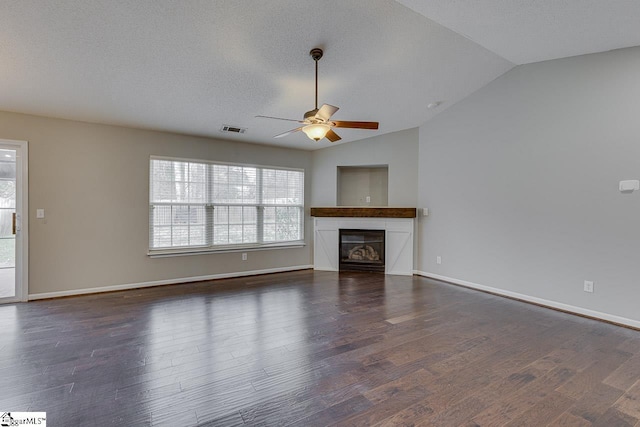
[93,182]
[521,179]
[399,150]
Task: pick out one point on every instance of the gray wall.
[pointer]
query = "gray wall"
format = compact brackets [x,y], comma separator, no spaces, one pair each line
[355,184]
[93,182]
[399,150]
[522,178]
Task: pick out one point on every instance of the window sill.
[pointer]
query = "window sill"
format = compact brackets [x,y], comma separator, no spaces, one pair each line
[163,253]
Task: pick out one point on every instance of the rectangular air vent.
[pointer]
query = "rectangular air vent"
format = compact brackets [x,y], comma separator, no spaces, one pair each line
[232,129]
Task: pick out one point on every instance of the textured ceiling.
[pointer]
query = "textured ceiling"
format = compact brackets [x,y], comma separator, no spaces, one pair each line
[191,66]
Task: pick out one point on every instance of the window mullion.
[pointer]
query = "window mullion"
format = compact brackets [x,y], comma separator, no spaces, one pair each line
[152,222]
[209,208]
[259,207]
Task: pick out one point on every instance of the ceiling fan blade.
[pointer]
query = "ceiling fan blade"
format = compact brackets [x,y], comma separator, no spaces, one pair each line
[288,132]
[280,118]
[326,111]
[356,125]
[332,136]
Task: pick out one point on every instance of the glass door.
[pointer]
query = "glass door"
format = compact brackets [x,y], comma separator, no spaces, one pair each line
[8,223]
[14,223]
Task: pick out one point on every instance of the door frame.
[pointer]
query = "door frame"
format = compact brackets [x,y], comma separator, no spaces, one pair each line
[22,219]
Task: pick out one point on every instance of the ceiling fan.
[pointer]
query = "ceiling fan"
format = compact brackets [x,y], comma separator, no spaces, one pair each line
[317,123]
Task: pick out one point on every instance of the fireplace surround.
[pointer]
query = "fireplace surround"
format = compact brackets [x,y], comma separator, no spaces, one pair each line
[397,224]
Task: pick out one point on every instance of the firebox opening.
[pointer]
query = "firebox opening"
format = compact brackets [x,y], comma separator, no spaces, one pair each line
[361,250]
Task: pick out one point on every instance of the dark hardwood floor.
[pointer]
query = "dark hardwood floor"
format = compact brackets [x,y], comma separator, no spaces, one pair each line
[315,348]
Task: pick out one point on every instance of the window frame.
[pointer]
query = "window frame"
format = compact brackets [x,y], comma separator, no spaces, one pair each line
[209,246]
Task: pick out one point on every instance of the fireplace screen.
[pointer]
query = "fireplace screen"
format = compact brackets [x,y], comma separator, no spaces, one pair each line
[362,250]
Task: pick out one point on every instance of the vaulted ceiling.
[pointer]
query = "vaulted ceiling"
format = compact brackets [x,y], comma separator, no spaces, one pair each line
[192,66]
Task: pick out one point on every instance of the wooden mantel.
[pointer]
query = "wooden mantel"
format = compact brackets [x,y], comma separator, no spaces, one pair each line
[364,212]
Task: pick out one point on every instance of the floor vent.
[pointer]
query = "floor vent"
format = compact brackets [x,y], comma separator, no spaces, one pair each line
[232,129]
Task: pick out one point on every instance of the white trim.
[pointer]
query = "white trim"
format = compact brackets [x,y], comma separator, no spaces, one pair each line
[216,162]
[22,201]
[163,253]
[24,267]
[129,286]
[540,301]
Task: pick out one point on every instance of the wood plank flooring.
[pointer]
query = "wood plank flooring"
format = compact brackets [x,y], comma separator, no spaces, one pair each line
[311,349]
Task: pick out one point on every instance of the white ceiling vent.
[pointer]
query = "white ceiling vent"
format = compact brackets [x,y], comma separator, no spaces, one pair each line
[232,129]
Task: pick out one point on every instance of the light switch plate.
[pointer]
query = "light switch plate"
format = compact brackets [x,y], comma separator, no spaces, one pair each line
[588,286]
[39,213]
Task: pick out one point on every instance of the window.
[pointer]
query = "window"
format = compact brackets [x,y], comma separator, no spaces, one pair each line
[202,206]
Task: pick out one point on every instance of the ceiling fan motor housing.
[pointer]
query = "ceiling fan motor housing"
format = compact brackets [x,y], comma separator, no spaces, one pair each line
[310,116]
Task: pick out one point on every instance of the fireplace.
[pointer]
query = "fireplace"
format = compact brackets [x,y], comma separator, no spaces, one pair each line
[361,250]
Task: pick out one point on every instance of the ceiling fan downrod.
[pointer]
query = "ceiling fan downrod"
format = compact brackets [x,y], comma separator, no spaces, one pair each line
[316,54]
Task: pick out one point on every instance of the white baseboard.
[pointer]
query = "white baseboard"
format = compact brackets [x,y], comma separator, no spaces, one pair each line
[544,302]
[128,286]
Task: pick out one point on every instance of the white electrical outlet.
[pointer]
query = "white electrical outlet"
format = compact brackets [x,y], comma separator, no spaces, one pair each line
[438,259]
[588,286]
[244,256]
[368,199]
[425,211]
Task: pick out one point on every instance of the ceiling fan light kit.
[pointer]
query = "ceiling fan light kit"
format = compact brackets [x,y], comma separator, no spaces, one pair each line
[317,123]
[316,131]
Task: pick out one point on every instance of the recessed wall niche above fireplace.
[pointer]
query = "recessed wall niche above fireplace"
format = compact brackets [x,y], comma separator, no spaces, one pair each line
[363,185]
[361,250]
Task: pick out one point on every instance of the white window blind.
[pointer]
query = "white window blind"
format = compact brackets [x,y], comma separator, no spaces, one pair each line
[198,205]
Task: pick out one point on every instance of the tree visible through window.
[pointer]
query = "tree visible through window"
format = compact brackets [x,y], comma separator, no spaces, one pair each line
[196,204]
